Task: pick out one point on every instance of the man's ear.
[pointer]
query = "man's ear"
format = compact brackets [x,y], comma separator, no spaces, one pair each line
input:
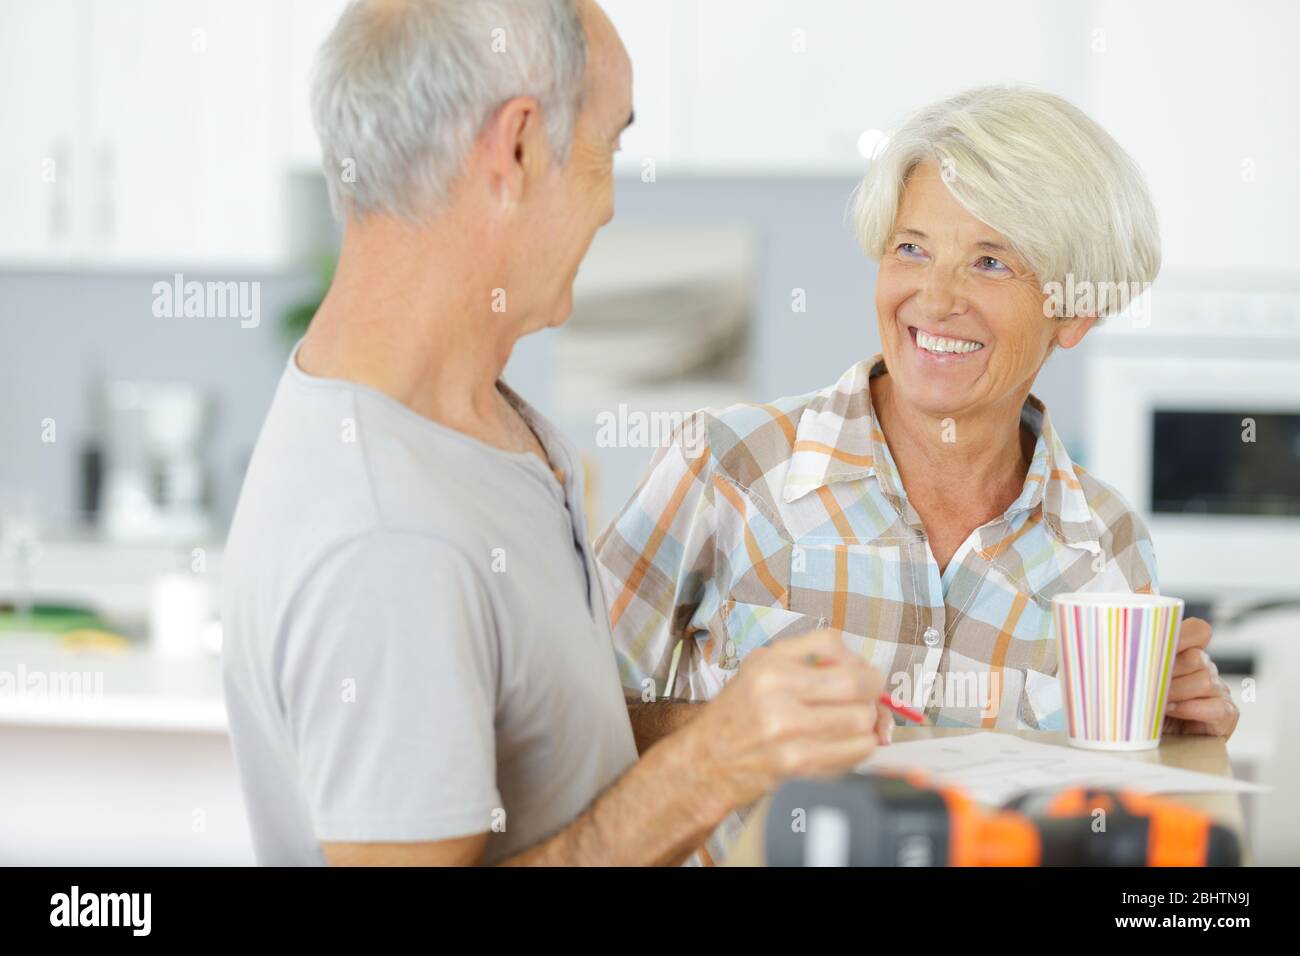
[511,148]
[1070,332]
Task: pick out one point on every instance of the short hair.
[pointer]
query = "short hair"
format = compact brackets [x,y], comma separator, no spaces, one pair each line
[402,88]
[1034,167]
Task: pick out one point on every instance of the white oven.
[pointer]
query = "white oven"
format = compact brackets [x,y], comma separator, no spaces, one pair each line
[1194,416]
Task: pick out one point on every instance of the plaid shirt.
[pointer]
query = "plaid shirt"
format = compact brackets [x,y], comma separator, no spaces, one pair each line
[763,521]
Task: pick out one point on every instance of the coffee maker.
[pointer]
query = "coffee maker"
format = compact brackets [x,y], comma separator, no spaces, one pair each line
[154,485]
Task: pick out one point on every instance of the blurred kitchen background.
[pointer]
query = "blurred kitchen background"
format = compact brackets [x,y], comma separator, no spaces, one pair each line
[156,142]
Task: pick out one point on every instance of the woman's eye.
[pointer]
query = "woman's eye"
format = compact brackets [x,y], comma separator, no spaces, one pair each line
[909,249]
[989,264]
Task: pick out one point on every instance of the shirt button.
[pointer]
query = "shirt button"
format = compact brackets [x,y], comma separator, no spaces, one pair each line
[931,637]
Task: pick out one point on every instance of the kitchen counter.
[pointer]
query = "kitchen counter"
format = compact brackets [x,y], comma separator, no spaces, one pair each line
[44,686]
[115,759]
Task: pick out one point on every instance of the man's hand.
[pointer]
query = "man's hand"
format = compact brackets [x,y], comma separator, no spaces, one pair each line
[805,706]
[1199,700]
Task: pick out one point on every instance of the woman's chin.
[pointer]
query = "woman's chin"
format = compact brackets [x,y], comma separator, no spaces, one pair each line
[934,399]
[937,385]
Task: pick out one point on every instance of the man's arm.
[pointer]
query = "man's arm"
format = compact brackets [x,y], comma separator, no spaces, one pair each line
[657,813]
[780,717]
[462,851]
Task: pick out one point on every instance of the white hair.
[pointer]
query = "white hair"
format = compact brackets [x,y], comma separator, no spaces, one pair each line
[1039,171]
[402,88]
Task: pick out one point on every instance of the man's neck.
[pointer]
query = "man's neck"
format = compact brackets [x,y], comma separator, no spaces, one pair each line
[409,314]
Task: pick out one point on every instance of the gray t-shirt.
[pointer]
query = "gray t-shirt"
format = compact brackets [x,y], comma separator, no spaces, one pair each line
[416,642]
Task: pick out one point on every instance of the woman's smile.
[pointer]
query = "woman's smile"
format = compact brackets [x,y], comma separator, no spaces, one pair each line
[945,350]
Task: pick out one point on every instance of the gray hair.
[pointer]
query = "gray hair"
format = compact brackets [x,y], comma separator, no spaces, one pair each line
[402,88]
[1036,169]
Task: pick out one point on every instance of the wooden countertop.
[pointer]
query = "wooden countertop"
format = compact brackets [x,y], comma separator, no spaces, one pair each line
[1202,754]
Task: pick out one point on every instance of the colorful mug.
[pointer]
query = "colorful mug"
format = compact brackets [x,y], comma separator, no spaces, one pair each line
[1116,664]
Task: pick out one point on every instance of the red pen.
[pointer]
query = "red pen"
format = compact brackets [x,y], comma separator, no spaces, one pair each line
[907,713]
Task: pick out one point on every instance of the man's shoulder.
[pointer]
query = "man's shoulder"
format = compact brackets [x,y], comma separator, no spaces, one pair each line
[335,472]
[349,460]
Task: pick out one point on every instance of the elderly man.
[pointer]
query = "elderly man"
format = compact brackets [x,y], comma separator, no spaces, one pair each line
[418,661]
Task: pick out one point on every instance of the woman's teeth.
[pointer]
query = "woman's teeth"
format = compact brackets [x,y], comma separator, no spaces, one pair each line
[937,343]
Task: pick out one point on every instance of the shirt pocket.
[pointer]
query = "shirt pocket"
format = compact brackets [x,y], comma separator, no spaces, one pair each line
[871,592]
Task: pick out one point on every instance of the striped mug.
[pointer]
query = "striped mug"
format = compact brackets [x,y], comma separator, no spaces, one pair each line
[1116,664]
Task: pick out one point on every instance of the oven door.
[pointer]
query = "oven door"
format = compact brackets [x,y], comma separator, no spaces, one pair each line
[1208,451]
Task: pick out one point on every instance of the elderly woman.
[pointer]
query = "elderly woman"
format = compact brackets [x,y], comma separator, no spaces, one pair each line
[922,504]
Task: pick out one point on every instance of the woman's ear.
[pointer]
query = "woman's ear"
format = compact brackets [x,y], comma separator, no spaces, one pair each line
[1070,332]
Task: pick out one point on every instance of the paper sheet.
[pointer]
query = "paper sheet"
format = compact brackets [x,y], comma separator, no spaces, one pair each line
[994,768]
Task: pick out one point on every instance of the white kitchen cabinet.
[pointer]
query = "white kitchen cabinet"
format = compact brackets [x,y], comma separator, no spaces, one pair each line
[42,47]
[167,133]
[790,87]
[155,118]
[182,137]
[782,87]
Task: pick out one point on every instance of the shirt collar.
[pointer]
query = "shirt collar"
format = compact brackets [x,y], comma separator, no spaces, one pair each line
[839,439]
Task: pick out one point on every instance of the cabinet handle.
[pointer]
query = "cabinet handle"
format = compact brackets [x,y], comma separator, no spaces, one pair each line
[59,212]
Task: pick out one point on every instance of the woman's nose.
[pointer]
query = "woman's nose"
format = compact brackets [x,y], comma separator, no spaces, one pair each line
[939,295]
